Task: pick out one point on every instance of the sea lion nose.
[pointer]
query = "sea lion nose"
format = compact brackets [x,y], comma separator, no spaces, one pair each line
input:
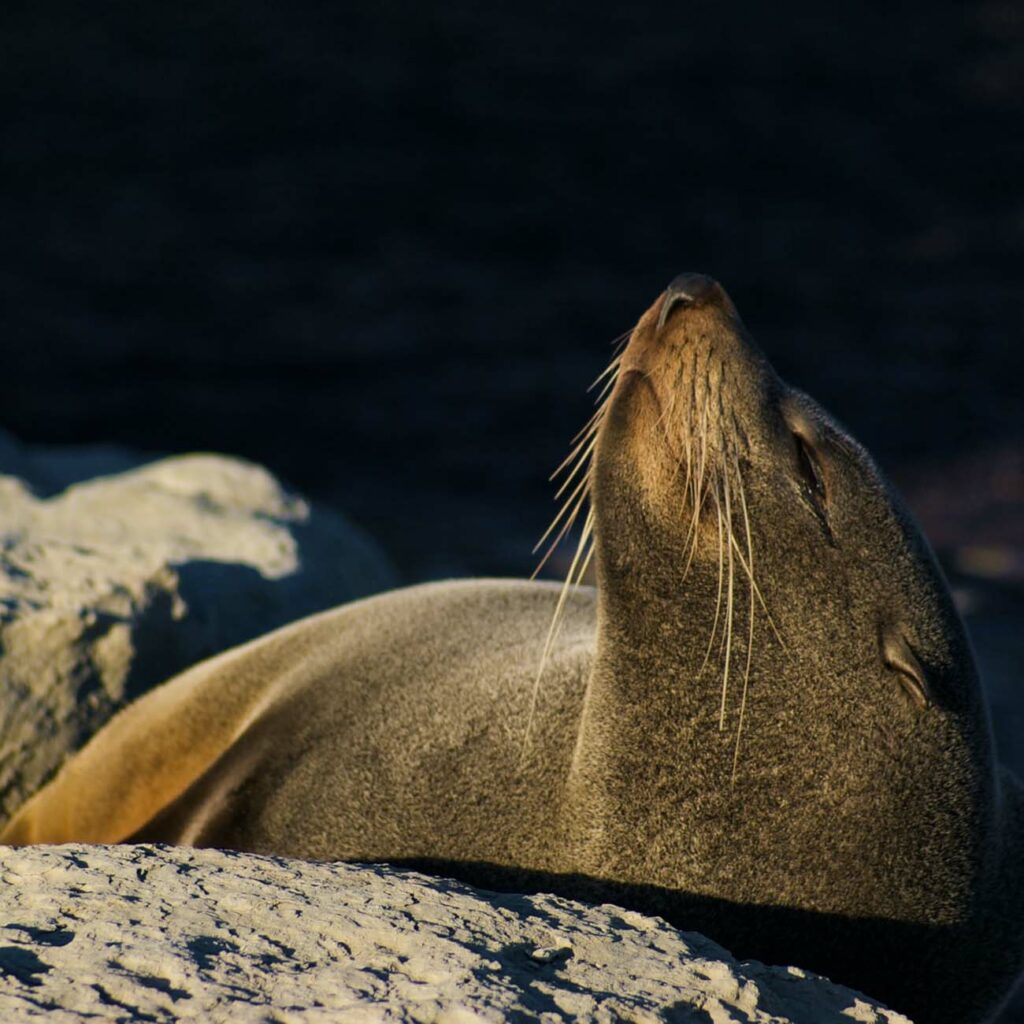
[689,290]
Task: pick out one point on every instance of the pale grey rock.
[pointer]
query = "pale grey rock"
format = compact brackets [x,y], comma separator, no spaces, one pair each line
[111,585]
[160,934]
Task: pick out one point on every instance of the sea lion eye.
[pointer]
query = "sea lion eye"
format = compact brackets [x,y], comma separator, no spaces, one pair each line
[898,656]
[812,484]
[811,476]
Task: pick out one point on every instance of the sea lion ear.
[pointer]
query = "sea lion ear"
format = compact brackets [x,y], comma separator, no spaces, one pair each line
[898,656]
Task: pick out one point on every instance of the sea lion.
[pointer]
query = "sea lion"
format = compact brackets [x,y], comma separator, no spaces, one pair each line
[765,724]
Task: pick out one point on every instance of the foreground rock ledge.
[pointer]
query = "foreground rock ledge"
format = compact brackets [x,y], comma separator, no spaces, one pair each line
[165,934]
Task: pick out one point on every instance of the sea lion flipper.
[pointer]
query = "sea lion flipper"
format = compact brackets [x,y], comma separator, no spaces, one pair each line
[99,798]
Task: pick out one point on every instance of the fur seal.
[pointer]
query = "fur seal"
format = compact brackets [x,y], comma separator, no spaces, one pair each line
[765,723]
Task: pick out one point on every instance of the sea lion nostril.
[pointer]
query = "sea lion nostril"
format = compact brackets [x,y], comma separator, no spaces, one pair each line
[686,290]
[692,286]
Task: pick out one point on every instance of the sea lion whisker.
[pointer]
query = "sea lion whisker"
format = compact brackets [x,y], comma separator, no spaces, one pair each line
[688,487]
[606,390]
[750,618]
[621,341]
[565,529]
[609,369]
[760,596]
[585,443]
[574,453]
[690,459]
[693,532]
[669,409]
[721,580]
[567,587]
[590,427]
[699,493]
[687,452]
[578,496]
[729,607]
[585,564]
[601,401]
[703,444]
[690,462]
[582,463]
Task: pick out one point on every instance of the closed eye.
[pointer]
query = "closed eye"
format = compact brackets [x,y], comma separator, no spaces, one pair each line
[812,483]
[810,471]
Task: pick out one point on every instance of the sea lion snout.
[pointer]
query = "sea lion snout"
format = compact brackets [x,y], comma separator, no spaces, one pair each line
[690,290]
[696,305]
[693,361]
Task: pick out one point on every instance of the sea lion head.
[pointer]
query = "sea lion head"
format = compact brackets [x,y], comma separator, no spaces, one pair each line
[767,601]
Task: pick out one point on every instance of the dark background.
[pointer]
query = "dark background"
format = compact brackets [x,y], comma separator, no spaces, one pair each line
[383,247]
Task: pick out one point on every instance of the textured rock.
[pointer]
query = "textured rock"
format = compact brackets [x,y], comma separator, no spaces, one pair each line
[161,934]
[111,585]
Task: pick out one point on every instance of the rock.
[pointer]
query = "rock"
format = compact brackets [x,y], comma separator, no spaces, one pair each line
[161,934]
[111,585]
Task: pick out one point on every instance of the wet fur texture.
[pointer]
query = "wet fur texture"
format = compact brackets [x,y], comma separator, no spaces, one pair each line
[765,724]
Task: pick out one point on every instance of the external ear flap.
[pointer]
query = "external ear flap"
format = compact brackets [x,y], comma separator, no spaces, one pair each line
[898,656]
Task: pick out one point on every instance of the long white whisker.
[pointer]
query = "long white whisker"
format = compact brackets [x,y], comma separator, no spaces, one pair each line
[584,463]
[590,427]
[750,629]
[584,446]
[757,591]
[721,580]
[563,532]
[699,490]
[609,369]
[621,341]
[556,619]
[729,600]
[579,494]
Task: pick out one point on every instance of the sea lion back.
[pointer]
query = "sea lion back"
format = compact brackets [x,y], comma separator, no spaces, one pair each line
[406,733]
[401,713]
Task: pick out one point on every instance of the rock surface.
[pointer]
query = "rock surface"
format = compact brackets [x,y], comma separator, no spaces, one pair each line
[161,934]
[111,585]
